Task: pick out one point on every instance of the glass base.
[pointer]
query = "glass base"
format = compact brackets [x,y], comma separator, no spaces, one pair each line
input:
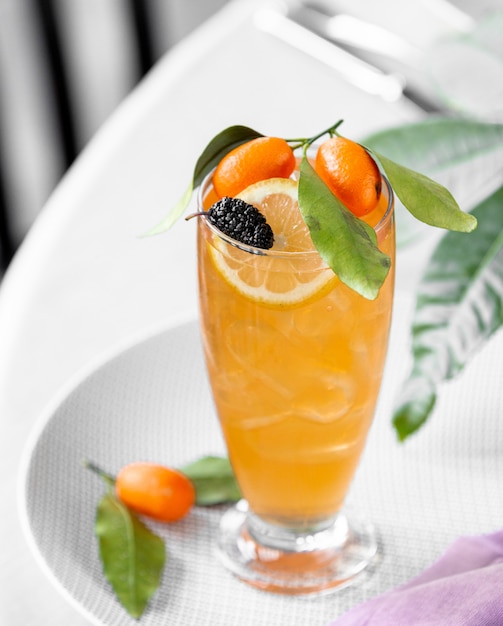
[285,561]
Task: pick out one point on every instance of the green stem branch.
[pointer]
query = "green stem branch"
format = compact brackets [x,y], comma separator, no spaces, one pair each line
[305,142]
[108,478]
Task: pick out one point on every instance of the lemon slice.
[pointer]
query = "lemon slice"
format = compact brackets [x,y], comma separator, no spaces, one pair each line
[291,272]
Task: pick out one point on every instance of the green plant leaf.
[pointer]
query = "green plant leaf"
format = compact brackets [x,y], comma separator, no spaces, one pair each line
[213,480]
[216,149]
[133,557]
[416,402]
[427,200]
[175,213]
[465,156]
[347,244]
[459,307]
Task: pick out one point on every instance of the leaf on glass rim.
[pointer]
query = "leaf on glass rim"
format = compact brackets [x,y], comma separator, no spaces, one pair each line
[464,155]
[425,199]
[347,244]
[213,479]
[133,557]
[459,306]
[216,149]
[175,213]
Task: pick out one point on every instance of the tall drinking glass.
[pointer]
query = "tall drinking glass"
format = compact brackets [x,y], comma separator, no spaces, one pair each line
[295,381]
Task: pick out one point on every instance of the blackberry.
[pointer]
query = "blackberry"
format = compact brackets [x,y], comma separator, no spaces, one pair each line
[241,221]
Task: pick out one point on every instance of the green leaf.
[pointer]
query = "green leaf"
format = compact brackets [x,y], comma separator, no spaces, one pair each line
[216,149]
[132,556]
[459,307]
[417,400]
[213,480]
[427,200]
[175,213]
[347,244]
[463,155]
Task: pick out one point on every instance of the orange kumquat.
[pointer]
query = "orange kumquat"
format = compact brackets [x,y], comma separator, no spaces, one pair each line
[251,162]
[159,492]
[350,173]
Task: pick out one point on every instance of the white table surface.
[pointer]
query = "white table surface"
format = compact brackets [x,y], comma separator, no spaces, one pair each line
[84,283]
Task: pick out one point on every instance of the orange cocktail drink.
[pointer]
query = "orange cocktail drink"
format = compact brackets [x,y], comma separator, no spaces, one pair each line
[296,275]
[295,360]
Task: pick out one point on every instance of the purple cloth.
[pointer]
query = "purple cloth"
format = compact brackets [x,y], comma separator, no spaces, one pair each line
[463,588]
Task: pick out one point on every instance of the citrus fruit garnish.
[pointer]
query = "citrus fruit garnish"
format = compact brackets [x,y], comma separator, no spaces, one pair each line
[350,173]
[255,160]
[160,492]
[279,277]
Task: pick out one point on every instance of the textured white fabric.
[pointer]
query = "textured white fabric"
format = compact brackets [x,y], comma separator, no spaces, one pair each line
[152,402]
